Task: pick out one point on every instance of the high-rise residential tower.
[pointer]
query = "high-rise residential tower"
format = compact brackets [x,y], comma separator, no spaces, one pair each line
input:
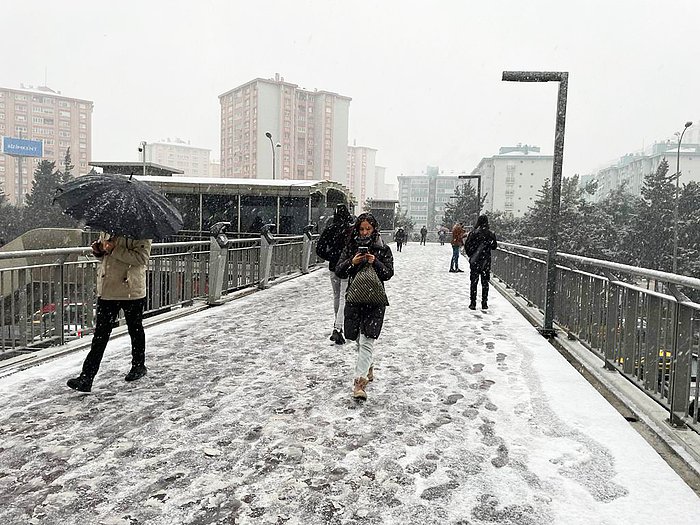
[44,115]
[361,173]
[311,128]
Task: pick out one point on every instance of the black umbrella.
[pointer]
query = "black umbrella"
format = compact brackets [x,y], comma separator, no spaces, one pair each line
[119,205]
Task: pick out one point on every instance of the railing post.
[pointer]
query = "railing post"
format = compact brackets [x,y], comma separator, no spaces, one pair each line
[308,246]
[218,257]
[679,387]
[60,314]
[22,300]
[267,242]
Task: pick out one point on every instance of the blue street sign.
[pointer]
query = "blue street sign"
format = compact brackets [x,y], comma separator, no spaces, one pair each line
[22,147]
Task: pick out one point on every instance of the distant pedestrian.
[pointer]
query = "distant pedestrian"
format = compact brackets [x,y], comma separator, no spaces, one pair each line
[367,262]
[441,237]
[457,234]
[330,245]
[480,241]
[423,235]
[400,238]
[121,285]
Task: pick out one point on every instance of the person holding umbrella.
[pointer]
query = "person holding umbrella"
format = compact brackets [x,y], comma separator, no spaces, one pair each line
[121,285]
[130,213]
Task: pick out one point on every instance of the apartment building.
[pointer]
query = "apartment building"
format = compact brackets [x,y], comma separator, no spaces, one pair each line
[214,169]
[424,197]
[176,153]
[630,169]
[45,115]
[512,179]
[361,173]
[382,190]
[311,128]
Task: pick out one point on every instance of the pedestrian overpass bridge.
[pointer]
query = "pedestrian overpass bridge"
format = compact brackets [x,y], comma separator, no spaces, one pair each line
[246,414]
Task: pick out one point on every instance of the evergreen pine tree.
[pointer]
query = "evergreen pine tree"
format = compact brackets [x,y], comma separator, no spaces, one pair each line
[616,214]
[404,221]
[689,230]
[40,211]
[652,229]
[10,220]
[464,206]
[535,222]
[67,173]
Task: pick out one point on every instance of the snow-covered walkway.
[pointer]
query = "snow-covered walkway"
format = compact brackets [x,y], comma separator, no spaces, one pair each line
[246,417]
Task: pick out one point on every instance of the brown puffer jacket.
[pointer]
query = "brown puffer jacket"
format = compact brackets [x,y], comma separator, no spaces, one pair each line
[122,274]
[457,234]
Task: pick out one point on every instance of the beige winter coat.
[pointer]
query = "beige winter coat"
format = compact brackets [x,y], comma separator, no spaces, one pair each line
[122,274]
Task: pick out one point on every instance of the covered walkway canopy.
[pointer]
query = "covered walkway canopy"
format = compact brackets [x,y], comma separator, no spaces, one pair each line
[248,204]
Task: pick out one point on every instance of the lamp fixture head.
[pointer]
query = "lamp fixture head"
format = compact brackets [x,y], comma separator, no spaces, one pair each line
[688,124]
[268,134]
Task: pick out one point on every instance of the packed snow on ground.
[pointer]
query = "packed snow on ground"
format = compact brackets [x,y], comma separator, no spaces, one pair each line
[246,417]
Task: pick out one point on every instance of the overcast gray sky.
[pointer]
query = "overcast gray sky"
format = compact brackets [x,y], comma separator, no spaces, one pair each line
[424,76]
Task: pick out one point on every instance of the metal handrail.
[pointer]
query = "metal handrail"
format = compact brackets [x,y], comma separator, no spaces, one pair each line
[51,300]
[651,336]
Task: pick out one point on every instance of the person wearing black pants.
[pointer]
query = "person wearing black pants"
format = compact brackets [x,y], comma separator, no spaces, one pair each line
[105,319]
[121,285]
[478,245]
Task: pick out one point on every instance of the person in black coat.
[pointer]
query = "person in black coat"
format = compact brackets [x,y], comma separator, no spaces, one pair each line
[423,235]
[363,322]
[478,245]
[400,238]
[329,246]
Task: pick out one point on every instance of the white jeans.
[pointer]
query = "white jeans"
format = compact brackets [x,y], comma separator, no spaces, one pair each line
[340,286]
[365,356]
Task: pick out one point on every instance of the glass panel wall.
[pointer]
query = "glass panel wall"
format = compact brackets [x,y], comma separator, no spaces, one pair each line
[256,212]
[294,215]
[217,208]
[188,206]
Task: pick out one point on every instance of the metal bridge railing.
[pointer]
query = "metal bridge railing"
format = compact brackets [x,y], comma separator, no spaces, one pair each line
[639,321]
[47,297]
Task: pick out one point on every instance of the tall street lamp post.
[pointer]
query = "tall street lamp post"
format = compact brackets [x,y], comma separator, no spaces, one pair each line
[273,146]
[563,78]
[142,149]
[675,210]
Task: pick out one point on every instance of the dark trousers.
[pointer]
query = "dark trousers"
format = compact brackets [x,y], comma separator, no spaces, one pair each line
[105,319]
[422,240]
[399,245]
[474,274]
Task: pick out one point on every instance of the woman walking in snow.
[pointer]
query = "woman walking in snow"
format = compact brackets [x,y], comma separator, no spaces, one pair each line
[367,262]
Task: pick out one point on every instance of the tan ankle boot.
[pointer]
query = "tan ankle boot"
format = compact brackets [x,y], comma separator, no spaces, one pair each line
[370,374]
[358,391]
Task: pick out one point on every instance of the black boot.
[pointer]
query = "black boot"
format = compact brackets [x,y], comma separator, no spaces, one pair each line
[484,305]
[340,340]
[334,335]
[82,383]
[472,306]
[136,372]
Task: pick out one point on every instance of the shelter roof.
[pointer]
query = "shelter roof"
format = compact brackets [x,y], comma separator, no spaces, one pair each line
[129,168]
[227,185]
